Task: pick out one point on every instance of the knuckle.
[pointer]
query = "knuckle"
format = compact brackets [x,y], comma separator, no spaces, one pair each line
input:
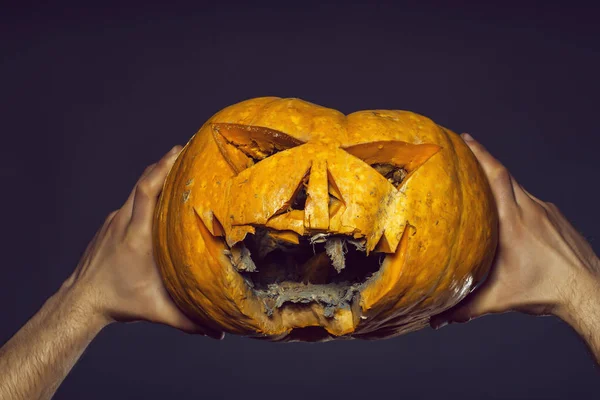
[500,175]
[539,211]
[111,215]
[545,208]
[147,171]
[478,148]
[144,188]
[133,242]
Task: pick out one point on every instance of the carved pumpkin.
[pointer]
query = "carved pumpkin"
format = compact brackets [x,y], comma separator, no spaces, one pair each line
[285,220]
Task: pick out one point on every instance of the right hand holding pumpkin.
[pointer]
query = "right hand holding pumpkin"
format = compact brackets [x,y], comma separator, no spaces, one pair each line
[542,265]
[117,278]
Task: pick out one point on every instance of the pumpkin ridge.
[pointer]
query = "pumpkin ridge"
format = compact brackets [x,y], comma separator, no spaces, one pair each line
[452,246]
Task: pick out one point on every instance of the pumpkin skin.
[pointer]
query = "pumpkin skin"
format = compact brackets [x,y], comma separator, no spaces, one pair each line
[437,230]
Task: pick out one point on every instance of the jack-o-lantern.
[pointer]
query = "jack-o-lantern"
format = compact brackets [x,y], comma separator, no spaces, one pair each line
[285,220]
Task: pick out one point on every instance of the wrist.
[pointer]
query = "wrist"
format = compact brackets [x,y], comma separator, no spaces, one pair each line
[79,303]
[581,297]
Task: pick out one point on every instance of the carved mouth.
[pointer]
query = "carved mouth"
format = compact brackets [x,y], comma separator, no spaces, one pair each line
[325,268]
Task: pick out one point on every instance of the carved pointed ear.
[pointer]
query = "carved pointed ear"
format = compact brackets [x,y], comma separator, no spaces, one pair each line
[394,159]
[244,145]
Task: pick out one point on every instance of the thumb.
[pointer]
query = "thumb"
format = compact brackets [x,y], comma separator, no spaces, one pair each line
[167,313]
[475,305]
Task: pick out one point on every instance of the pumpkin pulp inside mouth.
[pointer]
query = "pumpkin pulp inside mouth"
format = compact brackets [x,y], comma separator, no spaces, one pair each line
[325,268]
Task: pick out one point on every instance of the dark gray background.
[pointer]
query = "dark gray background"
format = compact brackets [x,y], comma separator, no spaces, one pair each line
[91,96]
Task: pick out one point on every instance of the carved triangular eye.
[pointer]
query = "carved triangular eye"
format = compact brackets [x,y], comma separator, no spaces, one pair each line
[394,174]
[394,159]
[244,145]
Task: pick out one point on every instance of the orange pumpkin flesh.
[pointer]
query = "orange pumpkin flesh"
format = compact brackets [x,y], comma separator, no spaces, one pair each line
[285,220]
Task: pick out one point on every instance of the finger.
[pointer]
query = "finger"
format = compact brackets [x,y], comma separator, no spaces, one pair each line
[478,303]
[128,205]
[172,316]
[166,312]
[148,189]
[501,182]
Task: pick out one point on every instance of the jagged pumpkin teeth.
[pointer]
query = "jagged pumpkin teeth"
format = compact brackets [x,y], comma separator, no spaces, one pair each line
[336,250]
[306,224]
[285,236]
[292,220]
[334,191]
[240,258]
[335,206]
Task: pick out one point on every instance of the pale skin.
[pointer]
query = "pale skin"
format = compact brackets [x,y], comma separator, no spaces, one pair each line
[543,266]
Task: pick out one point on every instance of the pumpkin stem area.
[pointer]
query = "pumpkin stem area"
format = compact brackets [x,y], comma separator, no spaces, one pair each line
[324,268]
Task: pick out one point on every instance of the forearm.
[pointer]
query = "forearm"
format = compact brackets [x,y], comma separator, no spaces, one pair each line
[38,357]
[582,313]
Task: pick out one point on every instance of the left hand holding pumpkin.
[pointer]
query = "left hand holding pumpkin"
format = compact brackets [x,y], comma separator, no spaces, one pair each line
[543,266]
[117,278]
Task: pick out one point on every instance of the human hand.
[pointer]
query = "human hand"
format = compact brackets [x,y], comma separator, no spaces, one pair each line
[117,278]
[542,265]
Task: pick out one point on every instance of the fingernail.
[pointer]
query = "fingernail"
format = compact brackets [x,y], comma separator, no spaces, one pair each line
[466,137]
[175,149]
[217,336]
[440,324]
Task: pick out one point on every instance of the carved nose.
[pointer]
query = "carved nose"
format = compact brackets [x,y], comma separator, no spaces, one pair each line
[316,210]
